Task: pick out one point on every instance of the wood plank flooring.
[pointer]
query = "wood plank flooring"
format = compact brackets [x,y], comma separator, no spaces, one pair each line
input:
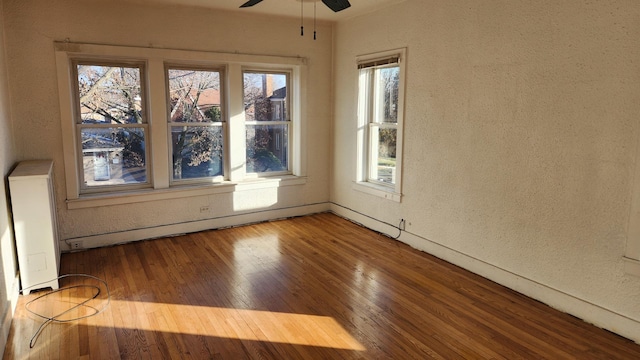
[315,287]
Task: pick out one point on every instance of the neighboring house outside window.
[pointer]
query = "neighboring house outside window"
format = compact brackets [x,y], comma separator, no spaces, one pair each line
[380,118]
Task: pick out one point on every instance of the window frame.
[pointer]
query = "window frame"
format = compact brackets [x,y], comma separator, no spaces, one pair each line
[366,147]
[155,59]
[287,121]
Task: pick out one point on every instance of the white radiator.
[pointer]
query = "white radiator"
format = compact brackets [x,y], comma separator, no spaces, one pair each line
[34,222]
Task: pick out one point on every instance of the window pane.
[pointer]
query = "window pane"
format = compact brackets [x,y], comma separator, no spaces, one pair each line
[386,95]
[110,95]
[383,157]
[265,97]
[196,151]
[194,96]
[113,156]
[267,148]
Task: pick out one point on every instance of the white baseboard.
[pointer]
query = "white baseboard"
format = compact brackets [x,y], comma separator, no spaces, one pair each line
[590,313]
[94,241]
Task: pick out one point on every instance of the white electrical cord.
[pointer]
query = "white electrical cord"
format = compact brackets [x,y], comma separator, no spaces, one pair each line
[56,318]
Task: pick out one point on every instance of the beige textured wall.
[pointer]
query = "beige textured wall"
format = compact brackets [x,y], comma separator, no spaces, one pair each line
[33,26]
[8,285]
[521,127]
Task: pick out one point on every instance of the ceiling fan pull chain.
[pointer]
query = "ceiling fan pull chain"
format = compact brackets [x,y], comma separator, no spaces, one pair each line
[301,18]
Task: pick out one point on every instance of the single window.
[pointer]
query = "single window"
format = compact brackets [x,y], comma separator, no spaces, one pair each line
[196,124]
[267,121]
[380,118]
[111,125]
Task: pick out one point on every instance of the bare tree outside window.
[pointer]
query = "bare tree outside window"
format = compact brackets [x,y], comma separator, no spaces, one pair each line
[112,124]
[196,123]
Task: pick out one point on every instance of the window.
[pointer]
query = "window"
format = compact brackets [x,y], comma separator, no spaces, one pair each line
[380,99]
[195,124]
[141,124]
[111,125]
[267,121]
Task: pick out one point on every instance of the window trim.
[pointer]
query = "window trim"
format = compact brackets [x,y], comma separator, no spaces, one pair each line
[362,182]
[155,60]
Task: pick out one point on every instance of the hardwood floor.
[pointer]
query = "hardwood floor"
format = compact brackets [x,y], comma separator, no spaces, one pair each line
[316,287]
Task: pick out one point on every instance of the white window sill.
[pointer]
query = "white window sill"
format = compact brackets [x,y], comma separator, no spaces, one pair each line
[631,266]
[130,197]
[377,190]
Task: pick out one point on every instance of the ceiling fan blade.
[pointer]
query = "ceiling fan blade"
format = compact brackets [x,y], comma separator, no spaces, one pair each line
[337,5]
[250,3]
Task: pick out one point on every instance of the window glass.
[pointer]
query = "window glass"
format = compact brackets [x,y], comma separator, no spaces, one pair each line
[266,102]
[109,94]
[267,148]
[383,154]
[111,124]
[195,118]
[386,94]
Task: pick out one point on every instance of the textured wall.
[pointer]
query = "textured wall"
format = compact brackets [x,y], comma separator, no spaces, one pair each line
[8,268]
[33,26]
[521,126]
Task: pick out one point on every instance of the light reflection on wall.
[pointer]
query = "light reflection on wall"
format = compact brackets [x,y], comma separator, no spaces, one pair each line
[255,199]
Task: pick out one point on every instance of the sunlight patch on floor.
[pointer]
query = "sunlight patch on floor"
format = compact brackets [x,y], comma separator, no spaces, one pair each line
[237,324]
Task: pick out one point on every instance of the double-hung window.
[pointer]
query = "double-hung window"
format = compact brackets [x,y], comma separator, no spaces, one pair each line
[267,121]
[111,125]
[196,124]
[380,112]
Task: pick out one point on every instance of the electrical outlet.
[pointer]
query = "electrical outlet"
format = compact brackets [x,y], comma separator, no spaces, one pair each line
[204,208]
[76,245]
[403,224]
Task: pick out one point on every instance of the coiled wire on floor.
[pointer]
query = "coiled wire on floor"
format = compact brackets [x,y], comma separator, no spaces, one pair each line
[57,318]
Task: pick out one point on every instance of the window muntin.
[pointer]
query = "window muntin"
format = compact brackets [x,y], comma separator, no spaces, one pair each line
[379,95]
[196,124]
[111,126]
[267,121]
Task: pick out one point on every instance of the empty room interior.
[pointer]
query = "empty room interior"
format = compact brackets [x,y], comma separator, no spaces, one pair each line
[286,179]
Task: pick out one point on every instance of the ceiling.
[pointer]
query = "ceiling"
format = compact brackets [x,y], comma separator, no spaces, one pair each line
[284,7]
